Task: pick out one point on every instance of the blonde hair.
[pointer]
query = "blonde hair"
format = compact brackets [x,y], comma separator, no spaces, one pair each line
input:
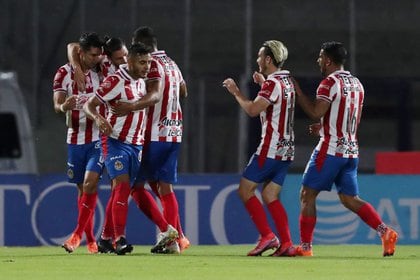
[278,50]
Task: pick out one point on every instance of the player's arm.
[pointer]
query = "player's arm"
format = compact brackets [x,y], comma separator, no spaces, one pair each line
[90,109]
[315,109]
[252,107]
[152,97]
[183,90]
[74,59]
[63,104]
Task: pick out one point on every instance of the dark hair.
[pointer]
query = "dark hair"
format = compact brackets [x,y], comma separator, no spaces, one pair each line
[138,49]
[145,35]
[335,51]
[90,40]
[112,44]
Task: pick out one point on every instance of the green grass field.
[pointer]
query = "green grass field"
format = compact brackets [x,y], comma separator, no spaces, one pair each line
[210,262]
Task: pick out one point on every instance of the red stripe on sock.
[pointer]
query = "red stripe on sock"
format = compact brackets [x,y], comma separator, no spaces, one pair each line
[369,215]
[307,228]
[170,208]
[279,215]
[258,216]
[120,208]
[147,204]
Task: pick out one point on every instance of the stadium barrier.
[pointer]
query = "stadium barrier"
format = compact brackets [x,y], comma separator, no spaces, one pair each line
[41,210]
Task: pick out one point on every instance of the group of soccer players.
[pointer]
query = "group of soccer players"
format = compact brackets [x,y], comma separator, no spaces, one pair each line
[337,112]
[123,112]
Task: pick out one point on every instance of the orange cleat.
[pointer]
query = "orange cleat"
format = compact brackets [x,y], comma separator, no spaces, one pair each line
[389,239]
[301,252]
[72,243]
[184,243]
[265,243]
[92,247]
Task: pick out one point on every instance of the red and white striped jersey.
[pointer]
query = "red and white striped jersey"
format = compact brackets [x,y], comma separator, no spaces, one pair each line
[107,67]
[339,125]
[164,119]
[122,87]
[277,136]
[81,130]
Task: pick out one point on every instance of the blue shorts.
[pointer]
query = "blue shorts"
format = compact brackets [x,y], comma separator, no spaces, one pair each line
[273,170]
[322,174]
[160,162]
[82,158]
[122,158]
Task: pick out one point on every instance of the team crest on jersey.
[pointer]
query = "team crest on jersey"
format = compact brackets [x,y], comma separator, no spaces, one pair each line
[70,173]
[118,165]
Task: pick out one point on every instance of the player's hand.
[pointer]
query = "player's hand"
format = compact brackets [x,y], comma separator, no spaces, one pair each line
[103,125]
[231,86]
[121,108]
[258,78]
[70,103]
[79,78]
[314,129]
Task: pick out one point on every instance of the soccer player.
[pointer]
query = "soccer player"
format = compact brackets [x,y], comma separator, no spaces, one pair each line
[275,105]
[84,164]
[165,86]
[115,55]
[123,146]
[338,108]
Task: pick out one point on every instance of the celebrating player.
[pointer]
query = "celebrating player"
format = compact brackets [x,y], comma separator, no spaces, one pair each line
[165,86]
[123,146]
[275,105]
[84,165]
[338,108]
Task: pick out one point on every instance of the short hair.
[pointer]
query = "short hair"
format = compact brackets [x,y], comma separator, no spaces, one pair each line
[145,35]
[335,51]
[138,49]
[90,40]
[112,44]
[277,51]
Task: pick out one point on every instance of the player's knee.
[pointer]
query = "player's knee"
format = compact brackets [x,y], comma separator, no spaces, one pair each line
[89,186]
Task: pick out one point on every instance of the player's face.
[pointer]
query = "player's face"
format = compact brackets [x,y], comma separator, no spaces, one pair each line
[322,62]
[91,57]
[139,65]
[261,61]
[119,57]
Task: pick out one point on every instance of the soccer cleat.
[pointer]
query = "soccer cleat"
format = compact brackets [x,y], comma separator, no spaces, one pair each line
[164,238]
[92,247]
[389,239]
[265,243]
[301,251]
[184,243]
[72,243]
[285,251]
[123,247]
[105,246]
[172,248]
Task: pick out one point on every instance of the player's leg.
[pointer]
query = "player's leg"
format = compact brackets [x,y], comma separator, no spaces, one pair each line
[165,172]
[319,175]
[252,176]
[348,192]
[270,195]
[75,172]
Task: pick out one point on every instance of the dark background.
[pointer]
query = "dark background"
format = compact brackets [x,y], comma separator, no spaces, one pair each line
[213,40]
